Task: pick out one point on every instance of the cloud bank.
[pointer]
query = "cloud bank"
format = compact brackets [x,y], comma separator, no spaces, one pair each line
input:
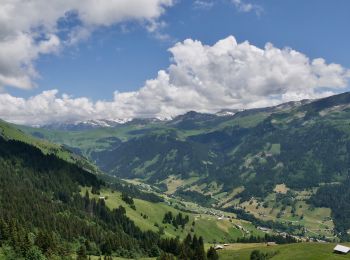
[200,77]
[29,29]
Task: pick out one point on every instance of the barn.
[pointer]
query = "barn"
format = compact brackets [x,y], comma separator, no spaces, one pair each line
[218,247]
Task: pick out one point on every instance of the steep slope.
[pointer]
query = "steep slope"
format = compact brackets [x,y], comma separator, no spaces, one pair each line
[43,214]
[154,157]
[289,144]
[12,132]
[41,206]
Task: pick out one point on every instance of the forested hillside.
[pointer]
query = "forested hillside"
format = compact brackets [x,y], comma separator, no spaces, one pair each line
[43,214]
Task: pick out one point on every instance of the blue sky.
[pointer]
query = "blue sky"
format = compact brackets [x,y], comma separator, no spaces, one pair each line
[112,59]
[123,54]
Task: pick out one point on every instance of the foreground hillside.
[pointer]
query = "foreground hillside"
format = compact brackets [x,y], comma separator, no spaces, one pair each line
[299,251]
[40,206]
[286,163]
[44,216]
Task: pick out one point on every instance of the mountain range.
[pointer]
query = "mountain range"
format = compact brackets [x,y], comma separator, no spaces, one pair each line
[281,169]
[229,158]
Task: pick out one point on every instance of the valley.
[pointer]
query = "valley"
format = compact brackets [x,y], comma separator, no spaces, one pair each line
[243,179]
[268,162]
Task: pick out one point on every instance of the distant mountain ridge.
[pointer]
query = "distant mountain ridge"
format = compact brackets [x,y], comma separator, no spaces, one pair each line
[85,125]
[82,125]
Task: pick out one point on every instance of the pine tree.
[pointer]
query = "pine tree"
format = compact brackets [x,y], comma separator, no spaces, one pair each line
[81,254]
[212,254]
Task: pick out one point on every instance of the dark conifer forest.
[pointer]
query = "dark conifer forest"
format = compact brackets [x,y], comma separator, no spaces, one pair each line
[43,214]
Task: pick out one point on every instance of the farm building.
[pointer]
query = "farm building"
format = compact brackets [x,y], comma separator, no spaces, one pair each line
[339,249]
[218,247]
[271,243]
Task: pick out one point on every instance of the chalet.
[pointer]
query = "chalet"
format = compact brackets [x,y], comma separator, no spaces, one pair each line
[264,229]
[218,247]
[102,198]
[339,249]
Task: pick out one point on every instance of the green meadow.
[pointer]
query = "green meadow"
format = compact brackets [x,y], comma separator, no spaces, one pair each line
[298,251]
[149,216]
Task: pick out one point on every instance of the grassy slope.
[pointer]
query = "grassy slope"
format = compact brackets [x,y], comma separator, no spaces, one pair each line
[302,251]
[206,225]
[317,221]
[10,131]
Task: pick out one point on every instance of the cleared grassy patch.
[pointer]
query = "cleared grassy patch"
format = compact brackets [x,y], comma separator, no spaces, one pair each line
[246,121]
[302,251]
[281,188]
[175,182]
[147,214]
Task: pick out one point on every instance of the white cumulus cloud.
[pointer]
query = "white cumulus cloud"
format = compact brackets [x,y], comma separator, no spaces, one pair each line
[30,28]
[200,77]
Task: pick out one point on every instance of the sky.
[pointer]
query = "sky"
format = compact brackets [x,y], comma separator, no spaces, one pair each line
[68,60]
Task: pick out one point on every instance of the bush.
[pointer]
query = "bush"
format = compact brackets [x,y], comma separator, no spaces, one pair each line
[257,255]
[34,253]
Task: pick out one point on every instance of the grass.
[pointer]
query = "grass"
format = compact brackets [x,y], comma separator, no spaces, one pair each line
[302,251]
[281,188]
[246,121]
[174,182]
[275,149]
[120,258]
[208,226]
[317,221]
